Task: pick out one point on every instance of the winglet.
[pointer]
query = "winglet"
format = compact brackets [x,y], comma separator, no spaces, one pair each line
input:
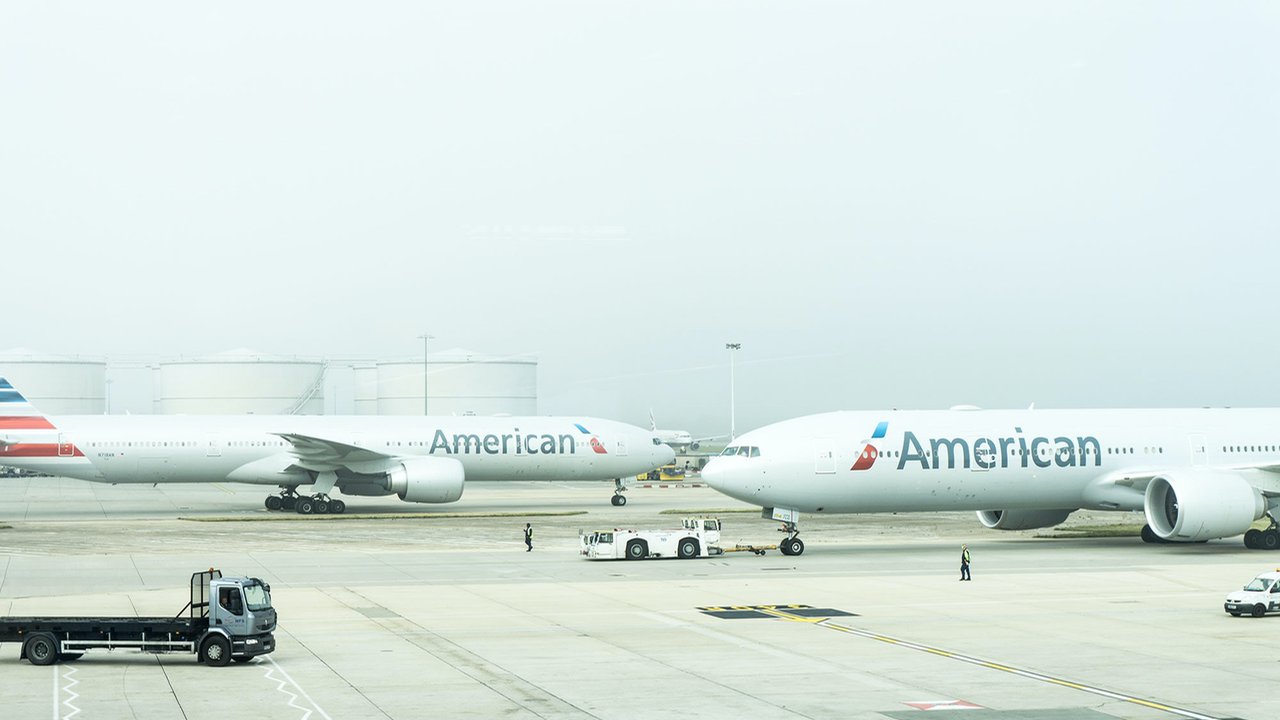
[16,413]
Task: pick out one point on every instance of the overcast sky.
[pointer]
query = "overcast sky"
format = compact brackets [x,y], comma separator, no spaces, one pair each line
[887,204]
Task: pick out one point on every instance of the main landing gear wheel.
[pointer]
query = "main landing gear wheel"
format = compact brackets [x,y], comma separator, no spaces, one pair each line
[286,500]
[618,500]
[1269,539]
[320,505]
[1253,539]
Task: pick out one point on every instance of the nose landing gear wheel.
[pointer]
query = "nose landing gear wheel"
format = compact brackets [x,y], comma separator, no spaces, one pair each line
[618,500]
[791,546]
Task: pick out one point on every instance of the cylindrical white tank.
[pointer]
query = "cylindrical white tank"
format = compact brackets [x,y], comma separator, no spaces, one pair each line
[366,388]
[239,382]
[57,384]
[459,383]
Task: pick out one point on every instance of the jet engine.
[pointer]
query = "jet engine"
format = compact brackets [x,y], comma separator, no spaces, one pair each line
[426,480]
[1196,504]
[1022,519]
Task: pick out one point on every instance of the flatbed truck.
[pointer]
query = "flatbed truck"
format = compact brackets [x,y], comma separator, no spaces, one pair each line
[228,618]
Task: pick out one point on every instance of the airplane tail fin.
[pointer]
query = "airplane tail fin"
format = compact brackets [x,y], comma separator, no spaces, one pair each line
[16,413]
[653,424]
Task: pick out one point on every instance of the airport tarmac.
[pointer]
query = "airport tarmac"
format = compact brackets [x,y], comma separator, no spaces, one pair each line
[445,615]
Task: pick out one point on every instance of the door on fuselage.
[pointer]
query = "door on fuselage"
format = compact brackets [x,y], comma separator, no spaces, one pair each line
[1199,453]
[824,456]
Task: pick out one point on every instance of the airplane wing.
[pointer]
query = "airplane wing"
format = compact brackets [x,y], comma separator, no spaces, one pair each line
[322,454]
[1138,480]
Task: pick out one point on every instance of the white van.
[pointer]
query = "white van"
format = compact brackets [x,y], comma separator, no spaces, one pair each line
[1259,597]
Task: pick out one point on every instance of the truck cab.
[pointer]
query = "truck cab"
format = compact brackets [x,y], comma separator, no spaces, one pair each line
[1259,597]
[242,606]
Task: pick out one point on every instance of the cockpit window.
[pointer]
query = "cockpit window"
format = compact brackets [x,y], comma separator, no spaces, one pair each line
[755,451]
[743,450]
[731,450]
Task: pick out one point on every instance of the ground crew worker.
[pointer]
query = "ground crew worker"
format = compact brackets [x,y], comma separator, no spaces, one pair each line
[528,537]
[964,563]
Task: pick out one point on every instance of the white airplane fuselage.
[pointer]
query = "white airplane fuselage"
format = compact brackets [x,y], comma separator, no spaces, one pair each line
[1219,465]
[151,449]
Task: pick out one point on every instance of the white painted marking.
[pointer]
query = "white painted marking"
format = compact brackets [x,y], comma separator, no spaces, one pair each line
[282,684]
[57,693]
[71,682]
[943,705]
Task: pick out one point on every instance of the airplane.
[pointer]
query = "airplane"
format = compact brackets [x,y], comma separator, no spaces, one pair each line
[679,440]
[420,459]
[1196,474]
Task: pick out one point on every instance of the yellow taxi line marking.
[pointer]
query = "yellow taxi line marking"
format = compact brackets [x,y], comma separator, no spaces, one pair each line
[1029,674]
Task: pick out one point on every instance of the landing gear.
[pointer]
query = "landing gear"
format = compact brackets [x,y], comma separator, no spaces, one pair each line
[618,499]
[1268,539]
[791,544]
[320,505]
[286,500]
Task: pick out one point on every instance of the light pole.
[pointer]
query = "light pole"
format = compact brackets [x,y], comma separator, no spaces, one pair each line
[733,432]
[426,339]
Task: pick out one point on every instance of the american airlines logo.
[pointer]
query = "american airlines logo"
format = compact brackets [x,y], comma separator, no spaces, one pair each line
[986,453]
[512,443]
[869,453]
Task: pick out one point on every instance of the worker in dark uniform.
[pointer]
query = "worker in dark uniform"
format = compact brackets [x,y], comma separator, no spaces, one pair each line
[528,537]
[964,563]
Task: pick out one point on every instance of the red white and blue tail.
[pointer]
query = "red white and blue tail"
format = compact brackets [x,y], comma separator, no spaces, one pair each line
[16,414]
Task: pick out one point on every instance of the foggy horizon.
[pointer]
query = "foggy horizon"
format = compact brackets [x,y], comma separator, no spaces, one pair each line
[888,206]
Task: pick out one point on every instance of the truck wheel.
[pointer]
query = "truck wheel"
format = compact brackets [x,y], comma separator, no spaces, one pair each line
[42,649]
[215,651]
[637,550]
[1259,610]
[688,549]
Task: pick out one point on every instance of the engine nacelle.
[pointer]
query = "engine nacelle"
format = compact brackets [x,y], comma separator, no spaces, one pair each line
[1196,504]
[427,480]
[1022,519]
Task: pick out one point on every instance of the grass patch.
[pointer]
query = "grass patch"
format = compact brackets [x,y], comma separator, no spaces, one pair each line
[294,517]
[5,527]
[708,511]
[1093,531]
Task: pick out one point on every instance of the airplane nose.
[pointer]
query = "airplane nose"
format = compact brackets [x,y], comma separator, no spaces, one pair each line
[713,476]
[667,455]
